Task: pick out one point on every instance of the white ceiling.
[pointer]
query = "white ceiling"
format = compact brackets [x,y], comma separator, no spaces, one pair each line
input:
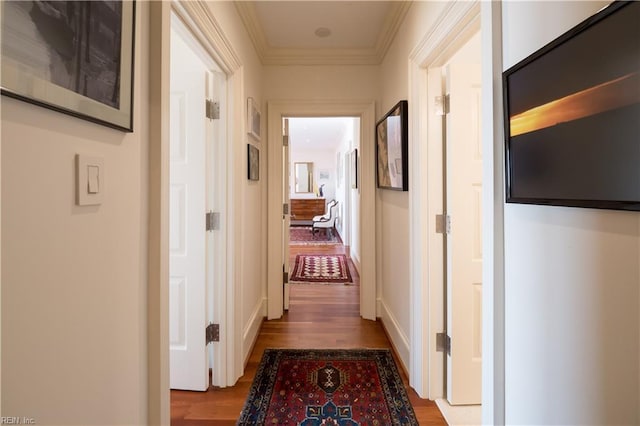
[283,32]
[321,133]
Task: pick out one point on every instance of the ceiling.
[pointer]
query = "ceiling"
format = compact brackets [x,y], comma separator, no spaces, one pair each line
[322,32]
[321,133]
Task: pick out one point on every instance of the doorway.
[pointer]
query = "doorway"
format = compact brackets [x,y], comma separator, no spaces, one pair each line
[457,81]
[463,206]
[277,111]
[455,28]
[317,182]
[195,203]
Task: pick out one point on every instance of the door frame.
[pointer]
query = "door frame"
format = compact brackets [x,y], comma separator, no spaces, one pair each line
[276,111]
[210,267]
[206,30]
[452,29]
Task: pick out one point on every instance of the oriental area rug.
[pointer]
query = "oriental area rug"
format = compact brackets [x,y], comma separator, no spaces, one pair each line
[302,235]
[321,268]
[309,387]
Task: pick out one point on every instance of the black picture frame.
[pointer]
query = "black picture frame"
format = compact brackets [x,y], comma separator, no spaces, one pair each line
[354,168]
[253,163]
[571,112]
[392,149]
[72,57]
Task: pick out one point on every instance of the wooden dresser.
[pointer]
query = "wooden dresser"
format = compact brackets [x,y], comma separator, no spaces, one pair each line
[307,208]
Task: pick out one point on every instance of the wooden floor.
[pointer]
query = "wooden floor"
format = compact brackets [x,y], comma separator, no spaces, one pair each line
[320,316]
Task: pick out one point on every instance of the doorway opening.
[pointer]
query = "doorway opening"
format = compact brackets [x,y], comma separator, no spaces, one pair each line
[434,374]
[323,227]
[278,203]
[460,88]
[196,190]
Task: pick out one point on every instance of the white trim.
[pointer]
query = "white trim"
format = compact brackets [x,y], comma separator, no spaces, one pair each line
[250,332]
[158,402]
[493,304]
[454,26]
[197,17]
[399,340]
[276,110]
[356,262]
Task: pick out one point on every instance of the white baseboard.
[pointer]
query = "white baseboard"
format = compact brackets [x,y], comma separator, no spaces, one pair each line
[252,328]
[356,261]
[398,338]
[460,415]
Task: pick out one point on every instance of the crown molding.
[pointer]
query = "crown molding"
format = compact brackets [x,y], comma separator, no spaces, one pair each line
[198,18]
[281,56]
[391,27]
[249,17]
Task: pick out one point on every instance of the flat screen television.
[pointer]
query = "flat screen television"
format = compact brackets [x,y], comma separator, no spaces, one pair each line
[572,116]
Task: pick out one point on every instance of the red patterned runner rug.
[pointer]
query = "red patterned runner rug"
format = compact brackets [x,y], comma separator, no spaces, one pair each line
[302,235]
[327,387]
[321,268]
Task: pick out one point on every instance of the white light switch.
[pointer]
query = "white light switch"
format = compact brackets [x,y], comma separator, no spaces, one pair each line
[94,179]
[90,180]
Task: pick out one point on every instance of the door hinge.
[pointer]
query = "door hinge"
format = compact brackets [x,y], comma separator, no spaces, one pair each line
[285,140]
[285,208]
[212,221]
[442,104]
[443,343]
[212,109]
[212,333]
[443,224]
[285,277]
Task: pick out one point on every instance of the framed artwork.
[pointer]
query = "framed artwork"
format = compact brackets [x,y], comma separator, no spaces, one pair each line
[253,119]
[354,168]
[392,149]
[73,57]
[575,142]
[324,175]
[253,162]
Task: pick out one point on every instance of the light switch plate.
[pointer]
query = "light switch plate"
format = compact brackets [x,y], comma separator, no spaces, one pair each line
[89,180]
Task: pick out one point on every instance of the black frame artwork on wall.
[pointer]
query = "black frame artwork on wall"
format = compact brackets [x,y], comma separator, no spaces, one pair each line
[392,149]
[572,116]
[75,57]
[253,162]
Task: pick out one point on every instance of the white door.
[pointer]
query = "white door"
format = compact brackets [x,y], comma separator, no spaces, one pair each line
[286,218]
[464,243]
[189,367]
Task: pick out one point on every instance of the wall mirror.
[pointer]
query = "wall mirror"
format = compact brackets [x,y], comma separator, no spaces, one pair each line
[303,173]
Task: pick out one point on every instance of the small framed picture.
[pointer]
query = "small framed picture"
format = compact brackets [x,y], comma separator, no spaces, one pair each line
[253,119]
[354,168]
[253,162]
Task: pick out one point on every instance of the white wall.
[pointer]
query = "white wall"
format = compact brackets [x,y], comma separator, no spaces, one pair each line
[571,282]
[74,278]
[323,160]
[342,151]
[331,82]
[393,248]
[249,197]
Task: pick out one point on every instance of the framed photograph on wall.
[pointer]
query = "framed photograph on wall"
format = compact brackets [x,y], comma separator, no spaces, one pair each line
[392,149]
[253,119]
[253,162]
[354,168]
[72,57]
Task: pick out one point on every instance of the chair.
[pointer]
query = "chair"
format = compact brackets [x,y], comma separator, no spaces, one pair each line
[326,221]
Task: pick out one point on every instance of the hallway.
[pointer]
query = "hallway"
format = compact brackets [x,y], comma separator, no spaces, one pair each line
[320,316]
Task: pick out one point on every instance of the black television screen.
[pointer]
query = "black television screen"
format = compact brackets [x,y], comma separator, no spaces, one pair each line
[572,116]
